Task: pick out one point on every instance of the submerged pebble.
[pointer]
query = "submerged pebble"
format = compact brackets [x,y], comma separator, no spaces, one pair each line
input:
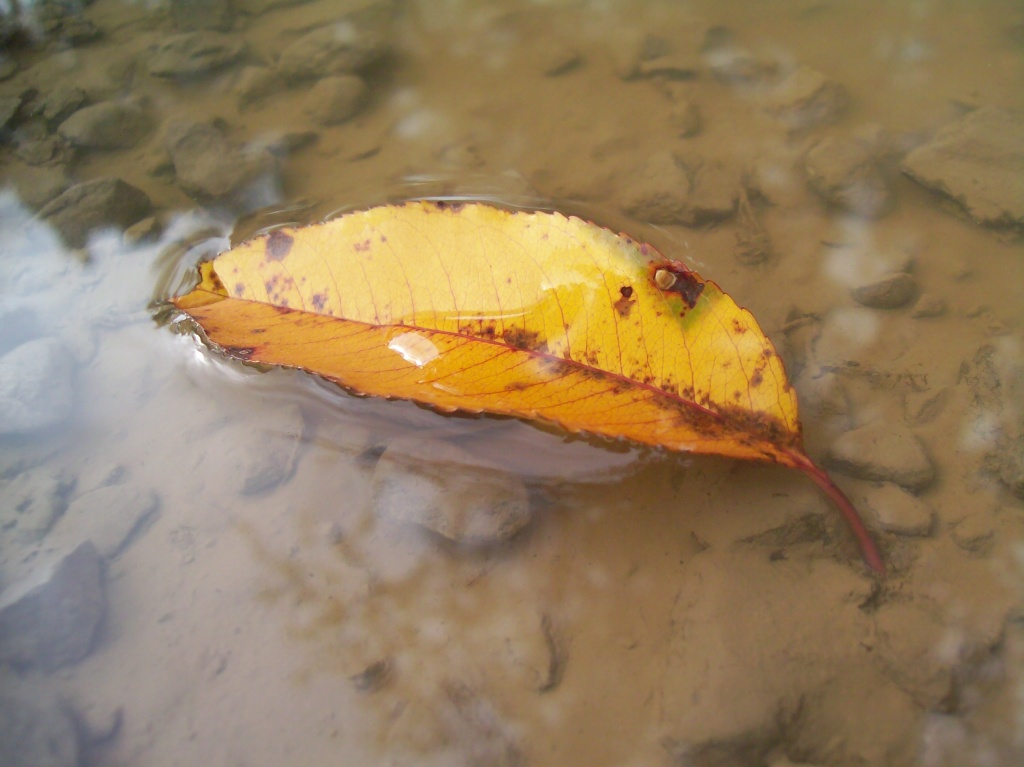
[897,511]
[446,490]
[208,165]
[844,173]
[110,517]
[334,100]
[889,292]
[978,161]
[50,618]
[883,452]
[36,390]
[95,204]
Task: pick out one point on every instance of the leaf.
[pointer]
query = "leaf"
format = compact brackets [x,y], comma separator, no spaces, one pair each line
[536,315]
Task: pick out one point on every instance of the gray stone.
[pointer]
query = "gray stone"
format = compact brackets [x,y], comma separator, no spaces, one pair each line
[928,306]
[112,518]
[261,461]
[753,243]
[448,491]
[844,173]
[146,229]
[974,533]
[108,125]
[883,452]
[202,14]
[666,191]
[36,731]
[50,619]
[685,118]
[256,7]
[334,100]
[978,161]
[35,387]
[805,98]
[890,292]
[255,84]
[32,502]
[897,511]
[95,204]
[908,648]
[208,165]
[193,54]
[9,106]
[348,45]
[37,146]
[61,102]
[36,185]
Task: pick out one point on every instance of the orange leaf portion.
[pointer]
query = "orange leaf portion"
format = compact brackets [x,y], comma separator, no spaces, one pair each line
[536,315]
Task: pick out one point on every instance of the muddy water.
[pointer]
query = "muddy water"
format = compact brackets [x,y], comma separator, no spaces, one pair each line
[657,609]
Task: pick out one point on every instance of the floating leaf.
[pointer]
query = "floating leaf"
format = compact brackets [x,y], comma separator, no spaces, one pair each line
[536,315]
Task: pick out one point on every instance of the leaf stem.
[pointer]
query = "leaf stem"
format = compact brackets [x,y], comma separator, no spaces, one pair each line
[868,547]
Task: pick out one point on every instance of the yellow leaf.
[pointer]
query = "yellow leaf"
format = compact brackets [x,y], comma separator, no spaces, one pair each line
[536,315]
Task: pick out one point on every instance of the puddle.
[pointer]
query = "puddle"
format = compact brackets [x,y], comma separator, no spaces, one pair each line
[246,596]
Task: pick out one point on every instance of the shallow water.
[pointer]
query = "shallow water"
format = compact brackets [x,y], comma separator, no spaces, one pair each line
[658,609]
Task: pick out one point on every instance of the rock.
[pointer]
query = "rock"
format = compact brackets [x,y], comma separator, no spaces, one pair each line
[446,490]
[859,717]
[61,102]
[193,54]
[928,306]
[978,161]
[912,650]
[146,229]
[50,619]
[266,459]
[36,731]
[202,14]
[897,511]
[286,144]
[107,125]
[255,84]
[974,533]
[348,45]
[738,67]
[208,165]
[112,518]
[334,100]
[667,191]
[37,146]
[845,174]
[675,66]
[256,7]
[32,503]
[94,204]
[883,452]
[35,387]
[924,406]
[890,292]
[9,106]
[559,60]
[37,185]
[715,191]
[753,244]
[805,99]
[685,119]
[659,192]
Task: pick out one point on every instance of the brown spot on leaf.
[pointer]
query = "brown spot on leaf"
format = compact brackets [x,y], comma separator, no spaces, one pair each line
[625,302]
[239,289]
[756,379]
[521,338]
[279,244]
[362,247]
[319,300]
